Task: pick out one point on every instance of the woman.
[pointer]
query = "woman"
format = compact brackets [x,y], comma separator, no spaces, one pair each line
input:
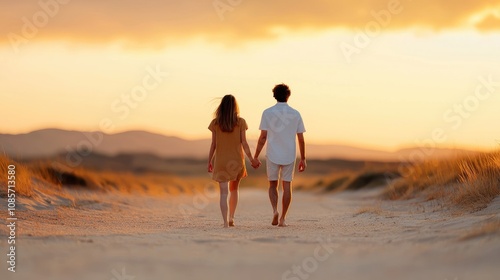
[228,143]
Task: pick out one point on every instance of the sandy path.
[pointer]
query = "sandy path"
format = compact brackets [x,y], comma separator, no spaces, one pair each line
[114,237]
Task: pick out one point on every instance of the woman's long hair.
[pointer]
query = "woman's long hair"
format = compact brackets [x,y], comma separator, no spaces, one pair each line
[227,114]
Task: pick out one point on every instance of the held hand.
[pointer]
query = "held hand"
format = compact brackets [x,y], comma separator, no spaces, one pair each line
[256,163]
[302,165]
[210,168]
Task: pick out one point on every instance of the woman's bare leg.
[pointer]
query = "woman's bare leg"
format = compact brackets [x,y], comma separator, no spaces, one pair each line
[223,201]
[233,200]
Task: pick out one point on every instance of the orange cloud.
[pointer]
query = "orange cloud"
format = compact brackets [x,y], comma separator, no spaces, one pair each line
[164,21]
[489,23]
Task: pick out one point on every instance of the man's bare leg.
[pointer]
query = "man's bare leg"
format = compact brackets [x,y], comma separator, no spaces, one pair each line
[233,200]
[287,199]
[273,197]
[223,201]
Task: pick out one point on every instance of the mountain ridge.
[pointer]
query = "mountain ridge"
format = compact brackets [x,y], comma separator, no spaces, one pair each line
[52,141]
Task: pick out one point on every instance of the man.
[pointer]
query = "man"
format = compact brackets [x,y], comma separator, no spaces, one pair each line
[279,125]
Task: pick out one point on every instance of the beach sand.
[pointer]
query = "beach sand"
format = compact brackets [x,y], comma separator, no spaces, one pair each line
[351,235]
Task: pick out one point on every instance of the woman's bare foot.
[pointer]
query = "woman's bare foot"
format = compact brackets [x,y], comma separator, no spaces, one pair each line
[226,225]
[231,223]
[282,223]
[275,219]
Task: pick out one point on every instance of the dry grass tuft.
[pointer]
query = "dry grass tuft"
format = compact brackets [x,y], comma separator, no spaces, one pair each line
[480,181]
[22,181]
[369,210]
[470,182]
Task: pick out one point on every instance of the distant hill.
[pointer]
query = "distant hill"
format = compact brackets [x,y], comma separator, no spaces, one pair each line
[50,142]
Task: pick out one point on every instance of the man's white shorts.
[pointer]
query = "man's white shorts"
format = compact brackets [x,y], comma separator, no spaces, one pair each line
[275,170]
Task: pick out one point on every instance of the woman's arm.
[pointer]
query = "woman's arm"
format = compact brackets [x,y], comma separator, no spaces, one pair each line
[212,152]
[246,148]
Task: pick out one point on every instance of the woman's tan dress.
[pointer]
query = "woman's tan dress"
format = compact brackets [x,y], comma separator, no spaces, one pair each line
[229,157]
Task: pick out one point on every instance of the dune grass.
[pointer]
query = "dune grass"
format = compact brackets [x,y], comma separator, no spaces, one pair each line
[23,176]
[56,178]
[470,181]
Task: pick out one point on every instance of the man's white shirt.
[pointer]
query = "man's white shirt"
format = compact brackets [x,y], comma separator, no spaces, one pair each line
[282,124]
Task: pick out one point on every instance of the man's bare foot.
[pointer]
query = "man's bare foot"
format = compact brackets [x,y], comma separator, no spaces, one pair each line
[275,219]
[231,223]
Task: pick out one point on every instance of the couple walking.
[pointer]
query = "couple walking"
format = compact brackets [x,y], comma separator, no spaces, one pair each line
[279,126]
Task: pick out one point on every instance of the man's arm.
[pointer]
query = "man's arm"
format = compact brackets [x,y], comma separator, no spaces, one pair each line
[302,148]
[261,143]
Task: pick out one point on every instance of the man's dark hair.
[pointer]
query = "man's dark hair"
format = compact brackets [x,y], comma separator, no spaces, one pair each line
[281,92]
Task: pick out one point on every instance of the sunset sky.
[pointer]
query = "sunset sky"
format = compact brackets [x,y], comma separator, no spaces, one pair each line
[379,74]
